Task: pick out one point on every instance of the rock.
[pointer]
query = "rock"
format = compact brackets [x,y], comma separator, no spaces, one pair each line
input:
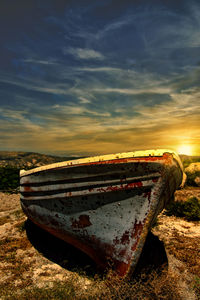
[193,168]
[193,174]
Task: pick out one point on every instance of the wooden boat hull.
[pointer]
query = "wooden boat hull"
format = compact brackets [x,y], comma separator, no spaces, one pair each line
[103,205]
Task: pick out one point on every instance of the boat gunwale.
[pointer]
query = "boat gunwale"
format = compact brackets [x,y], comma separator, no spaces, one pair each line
[102,158]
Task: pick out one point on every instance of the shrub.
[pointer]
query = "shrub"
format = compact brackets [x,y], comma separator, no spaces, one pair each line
[191,178]
[9,178]
[189,209]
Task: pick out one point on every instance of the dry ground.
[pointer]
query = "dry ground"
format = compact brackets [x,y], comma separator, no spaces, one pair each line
[33,265]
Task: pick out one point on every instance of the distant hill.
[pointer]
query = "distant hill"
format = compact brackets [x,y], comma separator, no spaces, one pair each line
[28,160]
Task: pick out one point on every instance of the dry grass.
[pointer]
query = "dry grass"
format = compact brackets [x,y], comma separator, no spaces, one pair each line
[11,216]
[4,220]
[56,291]
[12,266]
[154,286]
[187,250]
[21,226]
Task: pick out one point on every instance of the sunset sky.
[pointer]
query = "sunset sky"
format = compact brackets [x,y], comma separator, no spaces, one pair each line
[100,76]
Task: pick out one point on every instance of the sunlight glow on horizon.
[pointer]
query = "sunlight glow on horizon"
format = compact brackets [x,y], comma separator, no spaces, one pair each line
[185,149]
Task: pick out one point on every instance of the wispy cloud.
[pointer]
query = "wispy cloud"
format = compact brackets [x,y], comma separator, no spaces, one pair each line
[40,62]
[35,84]
[157,90]
[81,53]
[78,110]
[84,100]
[100,69]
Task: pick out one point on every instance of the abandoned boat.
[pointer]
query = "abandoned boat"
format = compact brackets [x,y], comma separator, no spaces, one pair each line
[103,205]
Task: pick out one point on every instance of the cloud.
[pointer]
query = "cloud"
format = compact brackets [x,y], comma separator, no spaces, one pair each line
[86,54]
[130,91]
[36,84]
[79,111]
[100,69]
[40,62]
[84,100]
[113,26]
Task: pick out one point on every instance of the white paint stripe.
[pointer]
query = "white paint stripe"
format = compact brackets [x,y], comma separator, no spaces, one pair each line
[92,191]
[55,187]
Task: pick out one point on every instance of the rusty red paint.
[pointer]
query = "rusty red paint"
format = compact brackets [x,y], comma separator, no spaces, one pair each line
[122,253]
[125,239]
[84,221]
[136,234]
[27,189]
[148,195]
[134,184]
[168,158]
[121,267]
[137,229]
[128,160]
[105,252]
[155,180]
[121,187]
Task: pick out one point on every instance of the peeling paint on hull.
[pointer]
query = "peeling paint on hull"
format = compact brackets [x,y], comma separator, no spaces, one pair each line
[103,205]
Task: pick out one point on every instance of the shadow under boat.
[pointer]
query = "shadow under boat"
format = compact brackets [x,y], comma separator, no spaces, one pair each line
[152,258]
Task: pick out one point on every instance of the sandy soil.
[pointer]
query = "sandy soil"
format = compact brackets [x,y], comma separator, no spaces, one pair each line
[30,257]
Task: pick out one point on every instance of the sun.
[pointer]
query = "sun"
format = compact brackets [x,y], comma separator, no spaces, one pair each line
[185,149]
